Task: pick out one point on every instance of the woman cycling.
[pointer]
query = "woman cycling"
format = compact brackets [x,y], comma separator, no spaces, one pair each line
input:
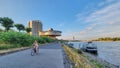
[35,45]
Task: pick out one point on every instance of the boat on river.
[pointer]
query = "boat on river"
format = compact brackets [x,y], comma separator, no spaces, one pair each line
[89,47]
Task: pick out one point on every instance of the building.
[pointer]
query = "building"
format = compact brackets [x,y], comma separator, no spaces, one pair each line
[36,26]
[50,33]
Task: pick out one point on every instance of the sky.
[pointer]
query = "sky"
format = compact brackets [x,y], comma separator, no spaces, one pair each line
[81,19]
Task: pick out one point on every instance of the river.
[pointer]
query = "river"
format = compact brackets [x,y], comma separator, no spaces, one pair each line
[108,51]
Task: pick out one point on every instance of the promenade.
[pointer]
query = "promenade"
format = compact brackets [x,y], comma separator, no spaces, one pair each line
[50,56]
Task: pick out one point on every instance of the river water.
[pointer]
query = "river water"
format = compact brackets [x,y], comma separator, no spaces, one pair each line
[108,51]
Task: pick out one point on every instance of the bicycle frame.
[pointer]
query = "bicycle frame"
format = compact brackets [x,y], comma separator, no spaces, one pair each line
[34,51]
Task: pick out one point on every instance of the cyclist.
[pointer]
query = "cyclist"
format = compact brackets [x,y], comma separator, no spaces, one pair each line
[35,45]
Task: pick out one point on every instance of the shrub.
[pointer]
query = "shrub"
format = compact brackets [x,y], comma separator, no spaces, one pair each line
[7,46]
[22,39]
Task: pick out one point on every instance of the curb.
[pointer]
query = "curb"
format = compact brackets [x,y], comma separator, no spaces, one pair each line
[13,51]
[17,50]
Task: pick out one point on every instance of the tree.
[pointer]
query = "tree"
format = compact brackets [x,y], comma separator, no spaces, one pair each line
[6,22]
[28,30]
[19,27]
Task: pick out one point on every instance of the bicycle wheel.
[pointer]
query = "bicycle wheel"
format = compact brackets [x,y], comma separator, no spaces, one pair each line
[32,52]
[37,52]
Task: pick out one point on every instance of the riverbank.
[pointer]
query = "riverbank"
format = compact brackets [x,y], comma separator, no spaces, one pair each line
[76,58]
[98,62]
[108,51]
[105,41]
[94,59]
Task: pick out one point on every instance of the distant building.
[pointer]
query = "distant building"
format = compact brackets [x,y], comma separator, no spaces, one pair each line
[36,26]
[50,33]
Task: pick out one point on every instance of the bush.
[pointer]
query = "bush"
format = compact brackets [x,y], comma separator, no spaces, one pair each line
[7,46]
[47,39]
[22,39]
[15,38]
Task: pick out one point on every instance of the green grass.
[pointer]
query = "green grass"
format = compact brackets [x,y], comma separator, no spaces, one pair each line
[76,50]
[95,63]
[98,65]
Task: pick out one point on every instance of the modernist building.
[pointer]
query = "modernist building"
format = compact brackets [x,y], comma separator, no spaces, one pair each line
[36,26]
[50,33]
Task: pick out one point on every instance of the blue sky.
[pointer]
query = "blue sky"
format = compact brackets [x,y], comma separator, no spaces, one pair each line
[83,19]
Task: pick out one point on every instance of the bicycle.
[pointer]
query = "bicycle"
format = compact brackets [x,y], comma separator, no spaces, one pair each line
[34,51]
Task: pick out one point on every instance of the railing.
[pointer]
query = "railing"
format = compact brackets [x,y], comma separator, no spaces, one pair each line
[77,60]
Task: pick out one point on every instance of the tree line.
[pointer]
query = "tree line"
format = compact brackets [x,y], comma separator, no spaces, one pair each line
[13,39]
[8,23]
[108,39]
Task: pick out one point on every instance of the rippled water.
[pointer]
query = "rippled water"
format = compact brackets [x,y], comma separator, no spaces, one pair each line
[109,51]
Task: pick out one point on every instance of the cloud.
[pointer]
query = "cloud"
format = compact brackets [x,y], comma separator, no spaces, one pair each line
[109,14]
[104,22]
[78,35]
[106,14]
[87,29]
[66,37]
[106,2]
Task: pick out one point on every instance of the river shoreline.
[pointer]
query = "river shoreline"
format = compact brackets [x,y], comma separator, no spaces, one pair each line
[96,41]
[99,60]
[107,51]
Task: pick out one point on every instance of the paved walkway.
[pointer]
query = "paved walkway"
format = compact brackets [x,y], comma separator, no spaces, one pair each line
[50,56]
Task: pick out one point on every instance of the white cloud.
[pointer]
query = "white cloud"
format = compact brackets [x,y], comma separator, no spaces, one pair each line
[106,2]
[105,15]
[66,37]
[87,29]
[104,22]
[78,35]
